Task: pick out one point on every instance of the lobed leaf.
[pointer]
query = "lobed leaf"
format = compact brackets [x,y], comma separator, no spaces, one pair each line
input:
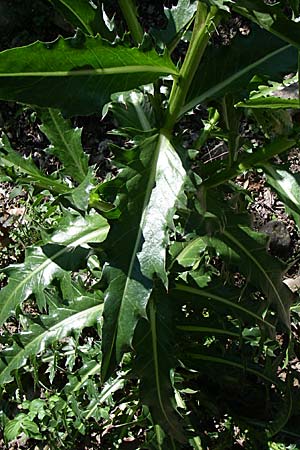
[65,251]
[82,311]
[76,75]
[11,158]
[65,143]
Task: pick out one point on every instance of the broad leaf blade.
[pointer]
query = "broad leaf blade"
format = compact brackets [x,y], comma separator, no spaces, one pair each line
[147,192]
[229,69]
[154,346]
[76,75]
[66,250]
[65,144]
[82,311]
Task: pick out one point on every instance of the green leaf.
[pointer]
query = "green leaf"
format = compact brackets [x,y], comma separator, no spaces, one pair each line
[226,70]
[81,14]
[84,310]
[270,17]
[154,346]
[276,96]
[245,250]
[133,112]
[11,158]
[65,143]
[191,252]
[287,187]
[178,18]
[66,250]
[80,196]
[222,299]
[147,190]
[270,103]
[76,75]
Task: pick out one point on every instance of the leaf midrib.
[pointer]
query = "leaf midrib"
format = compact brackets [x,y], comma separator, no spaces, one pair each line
[119,70]
[218,87]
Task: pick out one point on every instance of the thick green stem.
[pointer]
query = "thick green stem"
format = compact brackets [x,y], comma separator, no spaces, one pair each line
[205,25]
[128,9]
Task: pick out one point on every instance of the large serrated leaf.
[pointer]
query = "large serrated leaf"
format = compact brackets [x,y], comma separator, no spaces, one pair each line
[65,143]
[147,191]
[153,363]
[83,311]
[66,250]
[76,75]
[228,70]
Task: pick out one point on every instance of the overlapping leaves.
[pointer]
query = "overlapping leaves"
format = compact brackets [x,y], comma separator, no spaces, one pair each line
[66,250]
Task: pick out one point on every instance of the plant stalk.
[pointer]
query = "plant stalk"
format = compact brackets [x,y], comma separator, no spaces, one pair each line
[205,25]
[129,12]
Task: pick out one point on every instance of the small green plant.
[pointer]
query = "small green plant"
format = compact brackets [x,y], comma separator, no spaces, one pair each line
[159,264]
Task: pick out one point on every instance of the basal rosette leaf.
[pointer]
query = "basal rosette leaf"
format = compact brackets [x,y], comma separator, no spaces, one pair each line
[77,75]
[65,143]
[65,251]
[147,190]
[84,310]
[154,361]
[226,70]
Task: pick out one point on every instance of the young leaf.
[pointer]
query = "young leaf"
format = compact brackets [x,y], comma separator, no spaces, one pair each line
[76,75]
[226,70]
[133,112]
[147,191]
[65,143]
[66,250]
[82,311]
